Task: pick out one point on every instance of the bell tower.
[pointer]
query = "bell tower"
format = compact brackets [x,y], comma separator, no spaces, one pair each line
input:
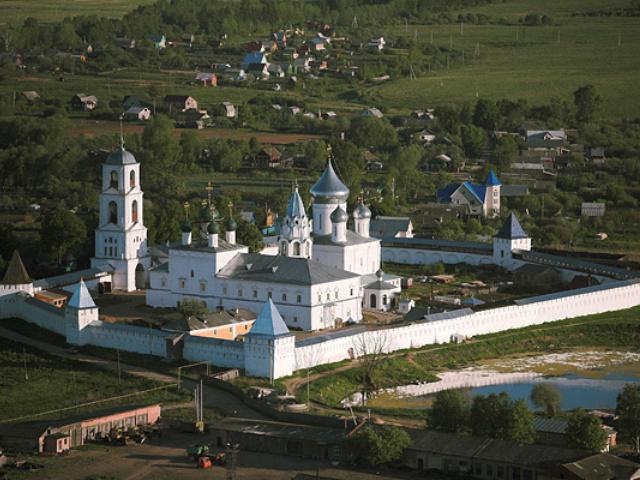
[121,237]
[295,232]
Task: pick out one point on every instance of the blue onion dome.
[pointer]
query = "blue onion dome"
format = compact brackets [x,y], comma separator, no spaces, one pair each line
[361,211]
[213,228]
[339,216]
[186,227]
[380,274]
[231,224]
[329,186]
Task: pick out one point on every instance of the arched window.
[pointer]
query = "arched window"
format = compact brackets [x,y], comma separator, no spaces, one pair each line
[134,211]
[113,182]
[283,248]
[296,249]
[113,213]
[132,179]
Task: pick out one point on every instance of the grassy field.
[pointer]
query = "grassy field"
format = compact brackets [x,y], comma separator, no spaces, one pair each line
[32,382]
[619,329]
[535,63]
[12,11]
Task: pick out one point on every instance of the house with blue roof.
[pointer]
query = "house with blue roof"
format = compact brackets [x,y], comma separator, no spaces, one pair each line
[480,199]
[254,58]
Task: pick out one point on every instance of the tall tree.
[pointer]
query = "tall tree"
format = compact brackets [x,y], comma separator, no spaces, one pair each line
[587,102]
[547,397]
[628,411]
[519,426]
[61,231]
[585,431]
[249,235]
[450,411]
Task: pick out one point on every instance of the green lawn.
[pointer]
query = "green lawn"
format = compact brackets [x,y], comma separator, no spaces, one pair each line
[619,329]
[50,383]
[12,11]
[544,62]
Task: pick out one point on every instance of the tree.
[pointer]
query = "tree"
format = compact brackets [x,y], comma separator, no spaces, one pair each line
[450,411]
[61,231]
[473,140]
[628,410]
[587,102]
[546,396]
[249,235]
[369,348]
[585,431]
[375,446]
[505,151]
[519,426]
[192,308]
[485,114]
[497,416]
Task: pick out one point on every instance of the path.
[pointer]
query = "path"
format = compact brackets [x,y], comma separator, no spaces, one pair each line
[215,398]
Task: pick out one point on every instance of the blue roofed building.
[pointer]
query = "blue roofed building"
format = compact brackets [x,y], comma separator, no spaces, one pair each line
[480,199]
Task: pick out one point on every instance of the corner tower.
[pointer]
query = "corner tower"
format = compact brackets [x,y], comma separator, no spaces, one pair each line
[121,237]
[328,193]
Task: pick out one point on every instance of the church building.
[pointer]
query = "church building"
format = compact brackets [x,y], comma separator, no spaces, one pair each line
[480,199]
[316,280]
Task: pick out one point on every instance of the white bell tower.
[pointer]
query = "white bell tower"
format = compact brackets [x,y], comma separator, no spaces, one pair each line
[295,232]
[121,237]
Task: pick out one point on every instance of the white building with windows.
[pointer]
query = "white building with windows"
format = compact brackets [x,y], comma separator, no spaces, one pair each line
[121,237]
[316,281]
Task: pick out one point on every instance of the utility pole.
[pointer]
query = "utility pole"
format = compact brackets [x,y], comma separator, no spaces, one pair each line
[119,371]
[462,29]
[24,359]
[308,389]
[232,451]
[431,37]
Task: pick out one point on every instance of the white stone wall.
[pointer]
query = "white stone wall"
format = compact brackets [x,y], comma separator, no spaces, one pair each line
[575,303]
[40,313]
[125,337]
[223,353]
[363,259]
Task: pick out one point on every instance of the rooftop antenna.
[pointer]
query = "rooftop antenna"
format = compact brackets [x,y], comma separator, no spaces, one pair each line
[121,132]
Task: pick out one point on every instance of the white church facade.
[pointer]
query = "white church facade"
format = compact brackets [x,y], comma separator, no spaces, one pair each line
[316,280]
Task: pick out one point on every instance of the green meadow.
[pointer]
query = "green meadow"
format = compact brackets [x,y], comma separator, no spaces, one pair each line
[12,11]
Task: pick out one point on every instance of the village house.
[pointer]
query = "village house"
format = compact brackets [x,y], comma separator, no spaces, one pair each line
[376,44]
[391,227]
[180,103]
[84,103]
[259,71]
[275,70]
[269,157]
[207,79]
[135,101]
[137,113]
[371,112]
[230,110]
[125,43]
[592,209]
[546,141]
[537,276]
[252,58]
[595,155]
[425,136]
[158,41]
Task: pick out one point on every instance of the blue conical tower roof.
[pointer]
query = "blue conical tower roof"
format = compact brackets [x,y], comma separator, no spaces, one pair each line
[512,229]
[295,207]
[492,179]
[269,322]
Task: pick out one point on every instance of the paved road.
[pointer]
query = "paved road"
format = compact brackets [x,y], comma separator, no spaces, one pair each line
[216,398]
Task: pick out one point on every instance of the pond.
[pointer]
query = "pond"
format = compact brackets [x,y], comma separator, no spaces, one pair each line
[588,380]
[589,389]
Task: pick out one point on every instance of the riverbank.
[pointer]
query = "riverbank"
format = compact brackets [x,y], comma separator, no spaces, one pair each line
[529,369]
[608,331]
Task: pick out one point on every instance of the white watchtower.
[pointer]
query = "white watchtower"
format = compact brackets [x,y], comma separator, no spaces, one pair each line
[295,232]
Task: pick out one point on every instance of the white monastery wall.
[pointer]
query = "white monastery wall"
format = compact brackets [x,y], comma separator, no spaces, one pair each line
[125,337]
[223,353]
[31,310]
[534,311]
